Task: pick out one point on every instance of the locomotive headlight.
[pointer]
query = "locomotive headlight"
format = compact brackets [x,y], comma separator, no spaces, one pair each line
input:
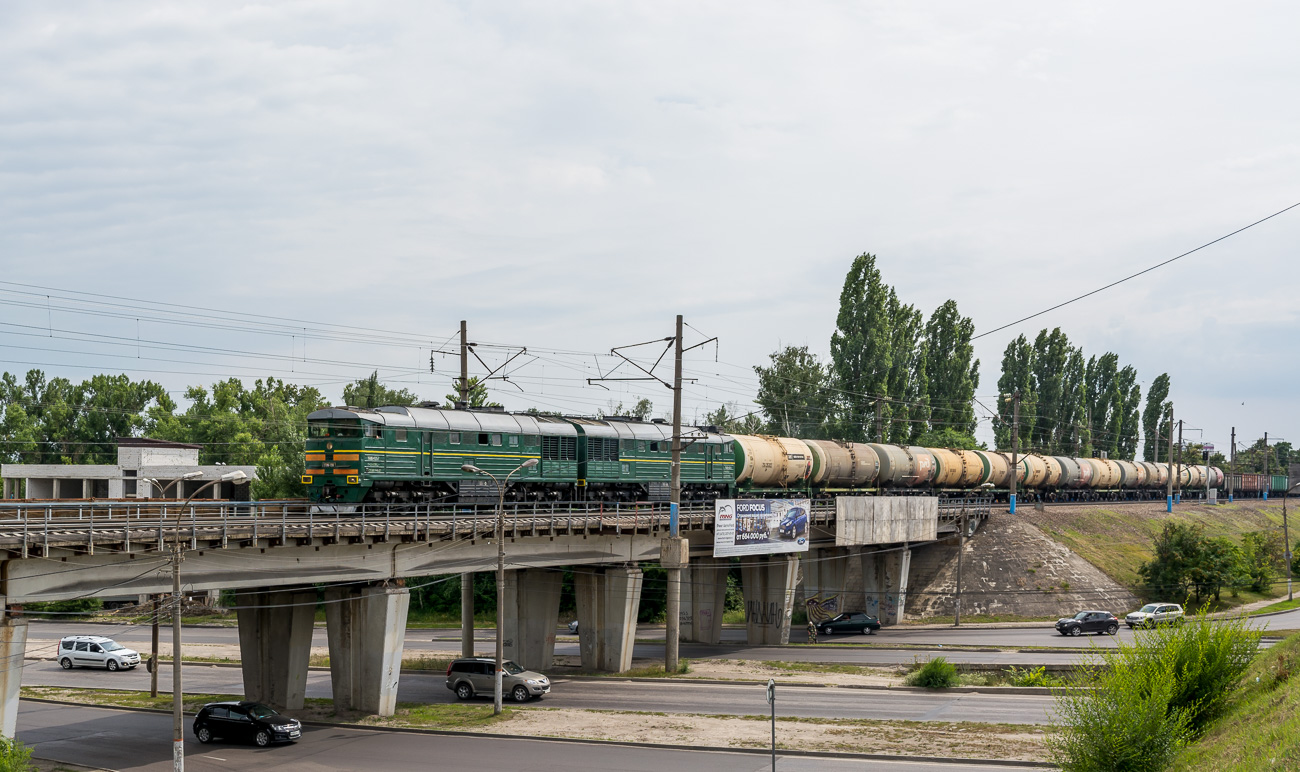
[329,446]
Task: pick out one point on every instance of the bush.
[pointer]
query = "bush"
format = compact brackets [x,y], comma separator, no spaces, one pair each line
[14,756]
[938,673]
[1029,676]
[1152,697]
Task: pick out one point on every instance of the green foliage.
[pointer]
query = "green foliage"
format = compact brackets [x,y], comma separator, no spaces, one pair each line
[640,411]
[861,348]
[1029,676]
[793,392]
[937,673]
[949,438]
[1262,558]
[370,393]
[78,606]
[477,393]
[14,756]
[1151,697]
[1155,418]
[951,370]
[1187,561]
[728,419]
[1017,375]
[59,422]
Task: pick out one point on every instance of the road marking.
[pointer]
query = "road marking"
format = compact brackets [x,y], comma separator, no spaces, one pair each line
[214,758]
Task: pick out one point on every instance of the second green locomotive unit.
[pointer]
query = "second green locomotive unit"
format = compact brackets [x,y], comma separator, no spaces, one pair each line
[417,454]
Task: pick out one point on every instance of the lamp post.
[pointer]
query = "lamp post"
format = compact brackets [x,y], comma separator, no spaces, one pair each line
[178,728]
[153,649]
[501,567]
[1286,541]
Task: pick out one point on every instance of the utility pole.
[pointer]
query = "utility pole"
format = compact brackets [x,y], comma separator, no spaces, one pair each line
[672,631]
[1232,462]
[1169,484]
[467,578]
[1179,494]
[880,431]
[961,547]
[178,726]
[1268,482]
[153,661]
[1015,444]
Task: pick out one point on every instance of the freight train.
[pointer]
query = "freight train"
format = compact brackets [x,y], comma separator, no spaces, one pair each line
[417,454]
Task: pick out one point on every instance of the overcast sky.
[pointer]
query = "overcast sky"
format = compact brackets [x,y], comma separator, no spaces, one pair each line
[568,176]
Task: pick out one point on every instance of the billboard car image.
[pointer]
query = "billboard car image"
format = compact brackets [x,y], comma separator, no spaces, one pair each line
[760,526]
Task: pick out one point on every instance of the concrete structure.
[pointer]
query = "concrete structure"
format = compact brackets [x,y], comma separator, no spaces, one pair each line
[862,520]
[769,584]
[531,612]
[825,579]
[138,459]
[608,600]
[366,627]
[884,576]
[704,599]
[13,648]
[275,628]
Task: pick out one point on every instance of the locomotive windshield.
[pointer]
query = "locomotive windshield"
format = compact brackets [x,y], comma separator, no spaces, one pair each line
[333,430]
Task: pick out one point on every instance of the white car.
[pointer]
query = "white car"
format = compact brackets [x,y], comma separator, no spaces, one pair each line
[1153,614]
[96,651]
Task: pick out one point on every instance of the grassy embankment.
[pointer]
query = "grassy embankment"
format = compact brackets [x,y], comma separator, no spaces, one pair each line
[1119,540]
[1262,729]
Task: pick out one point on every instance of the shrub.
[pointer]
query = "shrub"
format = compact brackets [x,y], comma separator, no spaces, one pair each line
[14,756]
[938,673]
[1029,676]
[1152,697]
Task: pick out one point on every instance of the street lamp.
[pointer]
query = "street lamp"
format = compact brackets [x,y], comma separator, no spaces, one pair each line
[501,566]
[153,650]
[1286,539]
[178,728]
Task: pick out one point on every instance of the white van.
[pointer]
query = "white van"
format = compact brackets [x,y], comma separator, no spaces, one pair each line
[96,651]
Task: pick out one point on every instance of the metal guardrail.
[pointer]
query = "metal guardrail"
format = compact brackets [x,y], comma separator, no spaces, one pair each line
[81,526]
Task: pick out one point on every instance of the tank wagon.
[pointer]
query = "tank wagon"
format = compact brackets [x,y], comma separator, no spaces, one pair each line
[417,454]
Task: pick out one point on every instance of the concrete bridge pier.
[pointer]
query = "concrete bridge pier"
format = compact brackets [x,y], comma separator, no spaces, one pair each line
[825,577]
[366,627]
[275,628]
[704,598]
[769,584]
[531,612]
[884,579]
[13,648]
[608,601]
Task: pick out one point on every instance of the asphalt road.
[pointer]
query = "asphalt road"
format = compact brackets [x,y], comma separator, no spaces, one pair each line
[617,694]
[140,742]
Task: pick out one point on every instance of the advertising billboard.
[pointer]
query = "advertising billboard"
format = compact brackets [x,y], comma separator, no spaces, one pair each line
[760,526]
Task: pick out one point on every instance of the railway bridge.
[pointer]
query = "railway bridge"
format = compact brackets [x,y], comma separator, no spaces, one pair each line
[276,555]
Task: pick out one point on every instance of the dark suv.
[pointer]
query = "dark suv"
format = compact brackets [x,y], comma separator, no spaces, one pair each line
[1088,622]
[477,676]
[247,721]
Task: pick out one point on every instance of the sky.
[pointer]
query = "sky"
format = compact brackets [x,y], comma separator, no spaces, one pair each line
[568,176]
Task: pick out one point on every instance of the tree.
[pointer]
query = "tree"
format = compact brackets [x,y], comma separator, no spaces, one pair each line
[860,348]
[729,421]
[1017,375]
[370,393]
[947,437]
[1177,549]
[1262,558]
[907,383]
[1155,417]
[1127,401]
[640,411]
[1051,353]
[794,394]
[952,372]
[478,394]
[1102,394]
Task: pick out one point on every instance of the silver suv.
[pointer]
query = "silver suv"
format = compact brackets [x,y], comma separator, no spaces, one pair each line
[477,675]
[96,651]
[1153,614]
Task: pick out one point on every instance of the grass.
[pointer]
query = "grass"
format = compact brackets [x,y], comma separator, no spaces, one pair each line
[978,619]
[1262,729]
[651,671]
[1282,605]
[820,667]
[1119,541]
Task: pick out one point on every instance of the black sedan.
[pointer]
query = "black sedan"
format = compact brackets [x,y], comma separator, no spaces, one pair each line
[1088,622]
[245,721]
[850,622]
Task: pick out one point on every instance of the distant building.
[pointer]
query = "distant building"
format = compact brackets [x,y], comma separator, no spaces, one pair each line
[145,469]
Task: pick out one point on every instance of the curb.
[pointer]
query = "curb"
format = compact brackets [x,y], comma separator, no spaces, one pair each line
[623,744]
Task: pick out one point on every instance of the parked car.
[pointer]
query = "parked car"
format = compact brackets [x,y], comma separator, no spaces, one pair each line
[850,622]
[96,651]
[1153,614]
[473,676]
[794,524]
[245,721]
[1088,622]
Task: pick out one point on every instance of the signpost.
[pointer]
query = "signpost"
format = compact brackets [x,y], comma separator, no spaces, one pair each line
[771,700]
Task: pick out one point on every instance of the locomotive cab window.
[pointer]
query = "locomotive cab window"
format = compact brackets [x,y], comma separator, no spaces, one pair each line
[401,435]
[514,441]
[482,439]
[374,431]
[453,438]
[496,440]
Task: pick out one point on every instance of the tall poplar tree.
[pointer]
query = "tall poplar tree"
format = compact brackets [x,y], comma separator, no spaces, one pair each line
[794,394]
[1051,353]
[951,370]
[1155,417]
[908,382]
[1101,391]
[1017,374]
[860,348]
[1128,402]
